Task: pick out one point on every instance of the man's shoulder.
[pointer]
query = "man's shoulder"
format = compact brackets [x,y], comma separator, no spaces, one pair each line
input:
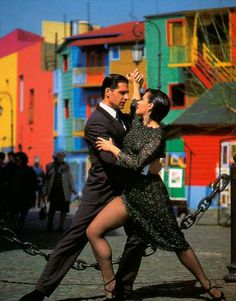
[99,115]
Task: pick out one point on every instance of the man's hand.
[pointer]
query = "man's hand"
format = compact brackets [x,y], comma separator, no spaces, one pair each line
[155,167]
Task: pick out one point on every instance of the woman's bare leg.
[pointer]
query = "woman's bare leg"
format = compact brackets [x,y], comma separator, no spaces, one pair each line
[112,216]
[189,259]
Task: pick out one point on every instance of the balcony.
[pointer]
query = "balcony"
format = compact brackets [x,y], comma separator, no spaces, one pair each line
[88,76]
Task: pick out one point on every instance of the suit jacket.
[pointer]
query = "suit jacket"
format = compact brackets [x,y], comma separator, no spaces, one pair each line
[105,179]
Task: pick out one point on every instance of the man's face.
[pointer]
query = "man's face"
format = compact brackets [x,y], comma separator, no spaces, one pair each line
[117,98]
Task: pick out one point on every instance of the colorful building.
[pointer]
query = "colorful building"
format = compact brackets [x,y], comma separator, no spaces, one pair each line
[25,97]
[197,54]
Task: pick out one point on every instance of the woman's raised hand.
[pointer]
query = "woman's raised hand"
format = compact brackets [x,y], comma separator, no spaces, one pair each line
[135,77]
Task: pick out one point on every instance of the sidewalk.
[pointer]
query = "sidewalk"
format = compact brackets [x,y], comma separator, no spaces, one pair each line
[161,276]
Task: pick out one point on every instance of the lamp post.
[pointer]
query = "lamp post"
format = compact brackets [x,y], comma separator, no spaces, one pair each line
[11,108]
[137,49]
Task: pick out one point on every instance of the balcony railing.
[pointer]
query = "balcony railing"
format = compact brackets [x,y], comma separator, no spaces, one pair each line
[88,76]
[184,55]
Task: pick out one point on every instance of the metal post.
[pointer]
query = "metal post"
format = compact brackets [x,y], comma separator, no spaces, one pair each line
[231,276]
[159,53]
[139,34]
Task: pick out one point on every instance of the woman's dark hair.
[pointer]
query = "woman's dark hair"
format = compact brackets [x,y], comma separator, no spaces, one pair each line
[161,104]
[111,81]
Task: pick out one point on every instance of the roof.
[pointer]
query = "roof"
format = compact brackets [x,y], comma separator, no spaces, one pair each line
[115,34]
[214,110]
[17,40]
[171,117]
[192,11]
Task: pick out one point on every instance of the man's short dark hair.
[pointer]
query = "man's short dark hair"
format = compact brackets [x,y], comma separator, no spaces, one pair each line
[111,81]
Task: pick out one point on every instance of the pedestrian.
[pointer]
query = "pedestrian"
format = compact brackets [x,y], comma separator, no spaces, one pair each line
[21,184]
[40,202]
[59,185]
[144,199]
[100,188]
[2,186]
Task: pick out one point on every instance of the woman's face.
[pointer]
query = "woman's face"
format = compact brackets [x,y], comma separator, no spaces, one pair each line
[143,105]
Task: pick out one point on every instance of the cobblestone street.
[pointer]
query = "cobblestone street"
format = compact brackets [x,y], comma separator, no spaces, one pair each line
[161,276]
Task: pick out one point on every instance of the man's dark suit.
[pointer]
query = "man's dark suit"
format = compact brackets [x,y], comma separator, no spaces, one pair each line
[102,185]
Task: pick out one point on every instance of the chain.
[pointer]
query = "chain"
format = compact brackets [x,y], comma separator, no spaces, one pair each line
[80,264]
[206,202]
[33,250]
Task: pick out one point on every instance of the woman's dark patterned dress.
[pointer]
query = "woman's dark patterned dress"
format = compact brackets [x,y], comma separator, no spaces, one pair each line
[146,197]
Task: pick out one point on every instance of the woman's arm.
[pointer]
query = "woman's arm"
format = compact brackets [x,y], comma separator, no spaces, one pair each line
[136,79]
[148,153]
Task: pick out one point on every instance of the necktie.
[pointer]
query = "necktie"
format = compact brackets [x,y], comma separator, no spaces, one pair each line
[120,120]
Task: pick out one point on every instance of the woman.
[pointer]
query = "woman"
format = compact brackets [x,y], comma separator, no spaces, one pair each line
[154,216]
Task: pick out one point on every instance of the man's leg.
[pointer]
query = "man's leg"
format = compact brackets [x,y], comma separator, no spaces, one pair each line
[130,260]
[66,251]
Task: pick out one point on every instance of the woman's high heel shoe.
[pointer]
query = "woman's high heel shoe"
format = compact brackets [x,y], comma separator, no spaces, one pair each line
[110,293]
[220,298]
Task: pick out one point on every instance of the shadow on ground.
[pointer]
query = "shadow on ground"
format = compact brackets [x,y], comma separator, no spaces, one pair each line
[35,232]
[176,290]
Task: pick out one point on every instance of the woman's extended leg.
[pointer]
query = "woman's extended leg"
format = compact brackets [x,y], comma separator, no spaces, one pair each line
[112,216]
[189,259]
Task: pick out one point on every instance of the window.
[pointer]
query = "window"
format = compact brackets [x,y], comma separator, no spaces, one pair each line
[176,33]
[66,109]
[31,107]
[177,95]
[65,62]
[21,77]
[115,53]
[95,58]
[55,116]
[92,103]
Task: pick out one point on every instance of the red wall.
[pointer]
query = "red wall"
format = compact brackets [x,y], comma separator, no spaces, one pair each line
[36,139]
[205,158]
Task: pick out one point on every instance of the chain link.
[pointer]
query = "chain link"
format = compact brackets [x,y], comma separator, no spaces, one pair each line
[80,264]
[206,202]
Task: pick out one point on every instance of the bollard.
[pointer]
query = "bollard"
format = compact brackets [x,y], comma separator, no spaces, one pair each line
[231,276]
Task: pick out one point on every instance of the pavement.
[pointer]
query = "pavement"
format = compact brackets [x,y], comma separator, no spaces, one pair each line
[161,276]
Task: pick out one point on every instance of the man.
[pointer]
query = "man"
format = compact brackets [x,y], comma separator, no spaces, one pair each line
[59,186]
[102,185]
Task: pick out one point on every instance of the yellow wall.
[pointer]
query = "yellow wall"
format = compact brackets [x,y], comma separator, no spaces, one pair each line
[50,28]
[8,91]
[125,65]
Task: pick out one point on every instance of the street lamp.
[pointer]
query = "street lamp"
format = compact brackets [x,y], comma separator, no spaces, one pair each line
[137,49]
[1,111]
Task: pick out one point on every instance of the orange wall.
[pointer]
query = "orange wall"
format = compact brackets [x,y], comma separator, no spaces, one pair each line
[36,139]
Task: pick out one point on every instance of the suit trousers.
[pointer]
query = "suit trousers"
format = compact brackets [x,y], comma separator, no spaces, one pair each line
[73,242]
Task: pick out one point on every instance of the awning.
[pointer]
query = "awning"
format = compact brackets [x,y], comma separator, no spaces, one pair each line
[213,113]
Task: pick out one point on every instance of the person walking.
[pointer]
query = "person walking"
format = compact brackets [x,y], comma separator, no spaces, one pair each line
[101,187]
[59,185]
[144,199]
[2,187]
[40,202]
[21,185]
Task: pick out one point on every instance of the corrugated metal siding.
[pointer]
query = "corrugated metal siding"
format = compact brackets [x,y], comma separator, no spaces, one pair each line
[205,157]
